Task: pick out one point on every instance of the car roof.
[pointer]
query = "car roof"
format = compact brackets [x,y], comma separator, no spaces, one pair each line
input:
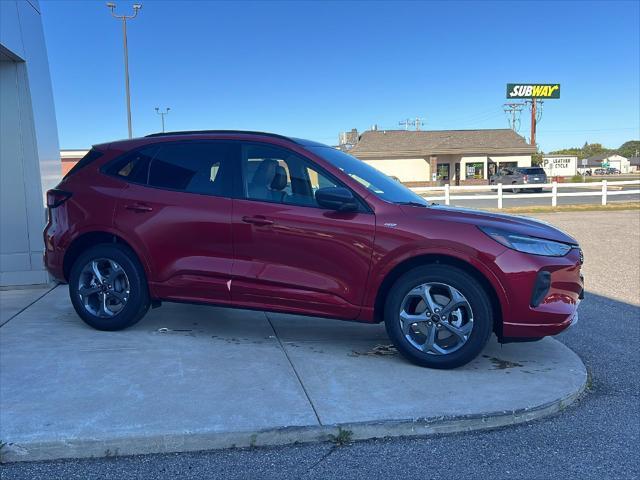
[299,141]
[240,134]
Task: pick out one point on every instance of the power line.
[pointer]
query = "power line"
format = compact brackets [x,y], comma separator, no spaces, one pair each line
[417,122]
[513,110]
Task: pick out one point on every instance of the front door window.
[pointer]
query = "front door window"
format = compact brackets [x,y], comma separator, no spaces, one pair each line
[280,176]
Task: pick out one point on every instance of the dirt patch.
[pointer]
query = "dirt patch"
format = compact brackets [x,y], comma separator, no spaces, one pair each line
[378,350]
[500,364]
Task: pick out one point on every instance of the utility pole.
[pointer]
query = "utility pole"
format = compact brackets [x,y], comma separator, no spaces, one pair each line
[124,18]
[418,123]
[533,121]
[162,114]
[405,124]
[513,110]
[536,115]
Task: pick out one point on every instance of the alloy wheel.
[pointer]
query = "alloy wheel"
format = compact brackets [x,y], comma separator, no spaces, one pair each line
[436,318]
[103,287]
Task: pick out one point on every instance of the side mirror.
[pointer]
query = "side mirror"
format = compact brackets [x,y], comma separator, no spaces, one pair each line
[336,198]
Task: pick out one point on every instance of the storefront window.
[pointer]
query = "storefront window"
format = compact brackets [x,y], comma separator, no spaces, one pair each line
[443,171]
[475,170]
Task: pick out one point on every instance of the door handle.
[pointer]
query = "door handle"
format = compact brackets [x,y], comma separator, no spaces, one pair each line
[257,220]
[139,207]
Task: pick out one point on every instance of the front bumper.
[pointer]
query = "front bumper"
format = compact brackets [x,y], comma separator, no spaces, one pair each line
[557,308]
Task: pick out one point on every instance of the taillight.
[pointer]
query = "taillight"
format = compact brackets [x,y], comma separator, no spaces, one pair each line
[525,178]
[56,197]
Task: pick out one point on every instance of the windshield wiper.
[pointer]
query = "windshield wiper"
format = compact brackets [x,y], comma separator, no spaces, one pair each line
[413,204]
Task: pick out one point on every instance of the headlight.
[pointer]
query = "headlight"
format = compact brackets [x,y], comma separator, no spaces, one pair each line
[527,244]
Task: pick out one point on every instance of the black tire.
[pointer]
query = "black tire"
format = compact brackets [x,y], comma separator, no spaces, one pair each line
[138,300]
[469,287]
[515,190]
[537,190]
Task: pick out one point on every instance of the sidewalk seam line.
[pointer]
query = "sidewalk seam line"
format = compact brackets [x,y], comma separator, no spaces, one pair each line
[284,350]
[36,300]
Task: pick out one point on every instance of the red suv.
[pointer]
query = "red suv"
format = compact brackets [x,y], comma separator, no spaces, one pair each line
[262,221]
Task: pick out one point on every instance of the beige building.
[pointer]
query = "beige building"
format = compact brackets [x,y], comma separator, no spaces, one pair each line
[443,156]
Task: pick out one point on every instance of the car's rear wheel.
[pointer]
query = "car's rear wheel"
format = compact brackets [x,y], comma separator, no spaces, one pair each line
[108,288]
[515,190]
[438,316]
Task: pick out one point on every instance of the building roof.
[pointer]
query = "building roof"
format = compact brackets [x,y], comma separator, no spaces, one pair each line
[401,143]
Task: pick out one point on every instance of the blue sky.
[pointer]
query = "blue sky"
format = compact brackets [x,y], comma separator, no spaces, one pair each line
[313,69]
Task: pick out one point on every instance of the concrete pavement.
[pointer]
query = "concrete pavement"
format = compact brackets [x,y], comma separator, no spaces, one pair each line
[14,300]
[194,378]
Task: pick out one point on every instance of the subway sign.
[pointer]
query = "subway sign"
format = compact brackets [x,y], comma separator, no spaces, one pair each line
[533,90]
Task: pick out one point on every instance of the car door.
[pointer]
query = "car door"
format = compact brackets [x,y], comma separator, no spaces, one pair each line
[289,253]
[176,210]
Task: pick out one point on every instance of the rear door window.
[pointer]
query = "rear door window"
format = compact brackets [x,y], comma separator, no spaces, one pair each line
[195,167]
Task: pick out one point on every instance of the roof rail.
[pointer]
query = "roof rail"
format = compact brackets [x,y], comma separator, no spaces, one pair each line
[204,132]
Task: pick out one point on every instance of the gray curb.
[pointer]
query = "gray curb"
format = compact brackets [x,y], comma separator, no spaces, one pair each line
[197,441]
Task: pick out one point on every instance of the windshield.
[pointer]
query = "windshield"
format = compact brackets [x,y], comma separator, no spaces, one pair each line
[374,180]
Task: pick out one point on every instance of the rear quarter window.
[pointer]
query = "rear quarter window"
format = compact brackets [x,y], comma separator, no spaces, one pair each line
[134,166]
[90,157]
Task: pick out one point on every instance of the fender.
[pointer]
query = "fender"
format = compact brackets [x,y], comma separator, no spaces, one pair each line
[463,253]
[138,248]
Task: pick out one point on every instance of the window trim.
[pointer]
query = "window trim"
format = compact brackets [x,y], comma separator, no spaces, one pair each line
[158,145]
[363,207]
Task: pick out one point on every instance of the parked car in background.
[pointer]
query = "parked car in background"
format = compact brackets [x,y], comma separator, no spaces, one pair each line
[519,176]
[600,171]
[613,171]
[262,221]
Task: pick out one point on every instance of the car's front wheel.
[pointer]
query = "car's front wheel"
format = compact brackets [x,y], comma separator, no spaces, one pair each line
[438,316]
[108,287]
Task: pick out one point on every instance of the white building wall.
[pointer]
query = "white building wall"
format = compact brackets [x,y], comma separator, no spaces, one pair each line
[406,169]
[619,162]
[29,152]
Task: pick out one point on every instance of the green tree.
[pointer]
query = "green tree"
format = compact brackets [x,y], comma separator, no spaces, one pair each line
[536,159]
[630,149]
[586,151]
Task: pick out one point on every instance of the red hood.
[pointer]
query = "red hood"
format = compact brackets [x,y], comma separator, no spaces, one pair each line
[511,223]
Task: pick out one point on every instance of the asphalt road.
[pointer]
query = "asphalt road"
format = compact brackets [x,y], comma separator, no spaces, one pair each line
[595,438]
[524,201]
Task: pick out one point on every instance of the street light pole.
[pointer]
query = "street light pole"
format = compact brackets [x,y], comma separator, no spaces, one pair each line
[124,18]
[162,114]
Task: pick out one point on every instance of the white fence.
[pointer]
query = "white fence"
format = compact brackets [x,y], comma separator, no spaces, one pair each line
[600,189]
